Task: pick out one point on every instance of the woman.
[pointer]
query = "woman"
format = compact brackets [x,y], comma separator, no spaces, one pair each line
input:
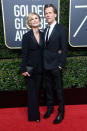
[32,49]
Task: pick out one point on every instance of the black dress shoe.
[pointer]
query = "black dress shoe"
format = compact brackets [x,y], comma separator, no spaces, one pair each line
[38,120]
[48,113]
[59,118]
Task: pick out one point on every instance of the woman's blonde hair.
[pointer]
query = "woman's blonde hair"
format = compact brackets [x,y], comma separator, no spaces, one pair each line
[29,18]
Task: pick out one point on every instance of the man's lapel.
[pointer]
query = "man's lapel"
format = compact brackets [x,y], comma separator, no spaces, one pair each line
[53,32]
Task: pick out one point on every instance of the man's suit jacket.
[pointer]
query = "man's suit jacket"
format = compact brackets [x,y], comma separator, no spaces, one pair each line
[57,41]
[32,51]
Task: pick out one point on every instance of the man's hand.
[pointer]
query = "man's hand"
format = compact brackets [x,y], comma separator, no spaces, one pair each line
[59,51]
[26,74]
[60,67]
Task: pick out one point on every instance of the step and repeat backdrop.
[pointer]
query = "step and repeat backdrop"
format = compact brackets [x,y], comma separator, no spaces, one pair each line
[14,18]
[78,23]
[16,11]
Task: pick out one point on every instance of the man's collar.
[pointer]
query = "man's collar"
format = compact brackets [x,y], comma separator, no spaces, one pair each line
[53,24]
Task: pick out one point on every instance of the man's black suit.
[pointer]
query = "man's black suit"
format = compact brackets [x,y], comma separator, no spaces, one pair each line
[32,56]
[55,56]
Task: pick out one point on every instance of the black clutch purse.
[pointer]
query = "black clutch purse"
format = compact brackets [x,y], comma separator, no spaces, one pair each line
[29,69]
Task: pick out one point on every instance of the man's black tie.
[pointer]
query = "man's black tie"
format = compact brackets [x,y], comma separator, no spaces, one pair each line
[47,34]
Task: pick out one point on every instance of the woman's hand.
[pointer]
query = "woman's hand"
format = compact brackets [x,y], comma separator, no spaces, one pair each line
[26,74]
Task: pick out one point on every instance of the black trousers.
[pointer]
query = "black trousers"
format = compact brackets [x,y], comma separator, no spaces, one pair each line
[54,80]
[33,87]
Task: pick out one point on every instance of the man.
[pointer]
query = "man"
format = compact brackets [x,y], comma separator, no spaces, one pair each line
[54,61]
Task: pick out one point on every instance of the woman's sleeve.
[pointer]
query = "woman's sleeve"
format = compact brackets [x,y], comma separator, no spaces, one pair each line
[24,54]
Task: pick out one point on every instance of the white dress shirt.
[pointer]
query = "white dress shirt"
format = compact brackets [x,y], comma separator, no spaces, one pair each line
[50,30]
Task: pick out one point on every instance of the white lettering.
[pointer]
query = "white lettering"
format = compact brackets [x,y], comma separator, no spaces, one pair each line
[21,10]
[39,9]
[43,23]
[19,24]
[16,10]
[19,34]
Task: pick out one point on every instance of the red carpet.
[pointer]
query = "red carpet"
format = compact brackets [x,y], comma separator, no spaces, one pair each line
[15,119]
